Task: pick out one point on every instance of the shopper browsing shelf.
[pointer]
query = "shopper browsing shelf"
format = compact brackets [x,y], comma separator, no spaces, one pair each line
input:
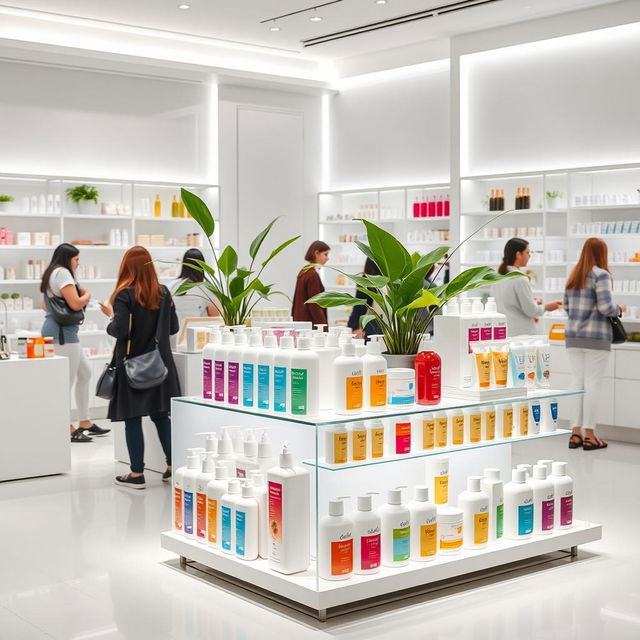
[309,284]
[372,328]
[514,297]
[588,335]
[142,318]
[64,301]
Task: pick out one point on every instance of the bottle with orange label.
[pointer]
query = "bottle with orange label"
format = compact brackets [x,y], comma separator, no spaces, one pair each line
[335,543]
[336,444]
[424,526]
[348,381]
[474,503]
[374,368]
[202,482]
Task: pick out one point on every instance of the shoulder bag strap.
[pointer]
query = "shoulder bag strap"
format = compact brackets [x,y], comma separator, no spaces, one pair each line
[128,350]
[163,304]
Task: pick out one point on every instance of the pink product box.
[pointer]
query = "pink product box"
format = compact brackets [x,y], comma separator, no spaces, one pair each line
[6,236]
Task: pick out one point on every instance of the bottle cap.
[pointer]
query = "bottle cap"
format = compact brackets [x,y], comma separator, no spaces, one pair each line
[257,477]
[491,306]
[233,486]
[222,472]
[209,464]
[336,507]
[559,468]
[547,464]
[227,338]
[454,307]
[194,462]
[473,483]
[394,496]
[465,308]
[374,348]
[286,457]
[332,340]
[527,468]
[264,446]
[304,344]
[519,476]
[225,446]
[247,490]
[449,514]
[358,426]
[492,474]
[477,307]
[270,342]
[540,472]
[240,339]
[256,339]
[364,503]
[422,493]
[286,342]
[348,349]
[250,445]
[319,340]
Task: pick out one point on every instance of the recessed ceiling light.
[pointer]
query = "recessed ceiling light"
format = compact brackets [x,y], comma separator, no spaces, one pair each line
[184,6]
[274,28]
[315,18]
[381,1]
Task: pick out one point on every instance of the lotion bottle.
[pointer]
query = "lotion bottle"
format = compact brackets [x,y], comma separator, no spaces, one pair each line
[336,444]
[396,531]
[265,373]
[228,516]
[208,356]
[194,468]
[234,368]
[202,482]
[374,371]
[335,543]
[304,380]
[249,371]
[424,527]
[260,494]
[281,381]
[366,537]
[247,524]
[215,490]
[493,486]
[348,396]
[543,501]
[226,456]
[358,442]
[563,492]
[475,514]
[437,476]
[518,507]
[220,367]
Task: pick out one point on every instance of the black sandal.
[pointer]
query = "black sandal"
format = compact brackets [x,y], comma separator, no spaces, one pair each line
[575,444]
[592,445]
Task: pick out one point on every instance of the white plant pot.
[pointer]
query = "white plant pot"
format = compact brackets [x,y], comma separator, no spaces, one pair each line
[399,361]
[552,203]
[86,207]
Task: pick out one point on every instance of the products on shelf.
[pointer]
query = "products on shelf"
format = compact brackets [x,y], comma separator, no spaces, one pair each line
[396,530]
[109,208]
[42,204]
[474,503]
[518,507]
[604,199]
[16,302]
[605,227]
[523,198]
[496,200]
[28,238]
[335,543]
[367,527]
[423,526]
[432,206]
[510,232]
[160,240]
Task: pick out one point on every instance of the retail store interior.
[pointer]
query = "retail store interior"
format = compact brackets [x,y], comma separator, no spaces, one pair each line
[326,479]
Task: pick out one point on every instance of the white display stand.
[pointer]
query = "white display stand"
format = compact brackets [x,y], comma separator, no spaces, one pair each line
[189,366]
[305,438]
[34,427]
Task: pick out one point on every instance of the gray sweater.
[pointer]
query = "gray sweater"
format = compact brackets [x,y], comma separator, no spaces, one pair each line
[514,298]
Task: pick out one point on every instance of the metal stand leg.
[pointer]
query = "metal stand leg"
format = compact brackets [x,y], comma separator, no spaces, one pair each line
[574,552]
[322,615]
[183,563]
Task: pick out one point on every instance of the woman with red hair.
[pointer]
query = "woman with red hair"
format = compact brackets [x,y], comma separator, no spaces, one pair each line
[141,312]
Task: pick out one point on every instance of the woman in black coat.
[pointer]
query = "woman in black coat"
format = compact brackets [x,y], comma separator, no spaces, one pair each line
[140,310]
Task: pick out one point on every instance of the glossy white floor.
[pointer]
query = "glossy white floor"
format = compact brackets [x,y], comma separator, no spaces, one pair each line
[81,560]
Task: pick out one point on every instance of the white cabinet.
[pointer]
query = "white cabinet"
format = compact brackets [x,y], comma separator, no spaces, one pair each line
[626,412]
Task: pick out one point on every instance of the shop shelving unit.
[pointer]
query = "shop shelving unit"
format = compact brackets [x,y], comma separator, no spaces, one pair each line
[305,438]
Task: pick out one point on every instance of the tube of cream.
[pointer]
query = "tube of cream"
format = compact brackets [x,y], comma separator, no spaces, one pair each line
[535,416]
[500,361]
[543,367]
[482,357]
[516,352]
[530,363]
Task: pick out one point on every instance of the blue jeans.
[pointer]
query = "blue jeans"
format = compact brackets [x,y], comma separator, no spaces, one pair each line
[135,439]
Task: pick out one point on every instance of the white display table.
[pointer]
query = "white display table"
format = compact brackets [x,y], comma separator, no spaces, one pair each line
[34,427]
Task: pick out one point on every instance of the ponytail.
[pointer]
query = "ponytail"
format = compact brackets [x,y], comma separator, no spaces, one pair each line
[513,246]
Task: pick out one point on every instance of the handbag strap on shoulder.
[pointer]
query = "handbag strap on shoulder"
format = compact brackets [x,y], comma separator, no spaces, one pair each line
[129,335]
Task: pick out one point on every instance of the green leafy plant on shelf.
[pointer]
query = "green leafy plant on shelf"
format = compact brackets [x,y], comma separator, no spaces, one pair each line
[401,304]
[4,198]
[82,192]
[234,290]
[552,195]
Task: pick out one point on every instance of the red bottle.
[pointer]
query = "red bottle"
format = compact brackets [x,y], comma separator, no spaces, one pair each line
[416,209]
[432,207]
[446,206]
[423,208]
[428,368]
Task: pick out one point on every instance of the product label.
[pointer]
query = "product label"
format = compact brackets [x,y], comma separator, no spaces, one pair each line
[441,489]
[535,413]
[499,520]
[404,393]
[553,407]
[377,442]
[428,540]
[507,422]
[486,333]
[450,536]
[341,557]
[264,387]
[524,421]
[353,393]
[500,367]
[428,433]
[177,509]
[219,381]
[241,473]
[225,513]
[241,519]
[207,380]
[233,387]
[370,552]
[457,429]
[441,432]
[201,515]
[546,521]
[475,427]
[299,392]
[480,528]
[403,437]
[248,391]
[490,425]
[188,512]
[378,390]
[359,444]
[525,519]
[340,446]
[212,521]
[275,511]
[401,544]
[566,510]
[473,336]
[500,333]
[280,389]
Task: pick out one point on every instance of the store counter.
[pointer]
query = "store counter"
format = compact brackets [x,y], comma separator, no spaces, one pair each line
[189,366]
[34,427]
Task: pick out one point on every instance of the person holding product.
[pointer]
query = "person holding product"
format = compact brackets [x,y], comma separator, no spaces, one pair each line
[309,284]
[514,297]
[59,287]
[359,310]
[142,316]
[588,334]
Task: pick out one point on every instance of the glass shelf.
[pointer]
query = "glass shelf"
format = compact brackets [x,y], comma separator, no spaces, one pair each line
[327,418]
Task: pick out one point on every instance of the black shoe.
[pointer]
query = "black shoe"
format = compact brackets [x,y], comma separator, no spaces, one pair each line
[79,436]
[166,476]
[130,481]
[95,430]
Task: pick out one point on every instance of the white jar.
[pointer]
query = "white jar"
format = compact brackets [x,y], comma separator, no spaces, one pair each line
[449,530]
[401,387]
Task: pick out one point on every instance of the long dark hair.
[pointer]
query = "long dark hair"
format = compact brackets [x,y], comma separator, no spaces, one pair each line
[371,268]
[188,272]
[61,257]
[513,246]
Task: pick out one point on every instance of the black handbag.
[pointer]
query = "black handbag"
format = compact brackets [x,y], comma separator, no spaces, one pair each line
[619,332]
[147,370]
[106,386]
[62,313]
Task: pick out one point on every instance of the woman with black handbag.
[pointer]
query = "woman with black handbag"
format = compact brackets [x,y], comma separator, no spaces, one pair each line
[143,318]
[64,302]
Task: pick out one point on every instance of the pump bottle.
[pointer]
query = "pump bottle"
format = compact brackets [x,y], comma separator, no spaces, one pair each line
[215,490]
[563,492]
[281,381]
[335,543]
[348,396]
[493,486]
[396,530]
[518,507]
[228,516]
[247,524]
[543,500]
[202,483]
[194,467]
[304,380]
[366,538]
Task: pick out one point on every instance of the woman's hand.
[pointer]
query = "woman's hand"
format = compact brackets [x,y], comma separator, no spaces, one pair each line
[358,333]
[552,306]
[107,309]
[622,307]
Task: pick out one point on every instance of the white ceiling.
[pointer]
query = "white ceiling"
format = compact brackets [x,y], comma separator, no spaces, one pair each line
[240,20]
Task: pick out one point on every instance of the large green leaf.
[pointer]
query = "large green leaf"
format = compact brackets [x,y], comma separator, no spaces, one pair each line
[426,299]
[377,282]
[462,280]
[199,211]
[277,250]
[259,239]
[366,249]
[365,319]
[185,287]
[433,256]
[390,255]
[228,261]
[237,286]
[411,287]
[333,299]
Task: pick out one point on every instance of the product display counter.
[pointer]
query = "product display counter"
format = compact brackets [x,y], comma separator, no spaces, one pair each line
[34,428]
[305,438]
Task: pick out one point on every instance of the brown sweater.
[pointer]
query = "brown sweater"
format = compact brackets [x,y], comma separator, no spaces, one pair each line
[308,285]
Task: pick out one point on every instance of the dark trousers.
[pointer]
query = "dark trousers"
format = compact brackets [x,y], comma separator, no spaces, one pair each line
[135,439]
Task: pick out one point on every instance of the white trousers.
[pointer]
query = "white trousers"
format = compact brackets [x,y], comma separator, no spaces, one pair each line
[588,367]
[79,374]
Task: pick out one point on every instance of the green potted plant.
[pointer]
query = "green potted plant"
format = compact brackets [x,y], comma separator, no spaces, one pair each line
[553,199]
[234,290]
[5,201]
[401,304]
[82,196]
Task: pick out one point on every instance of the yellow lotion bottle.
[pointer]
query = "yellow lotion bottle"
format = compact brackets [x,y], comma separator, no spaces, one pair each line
[157,207]
[500,360]
[175,210]
[482,357]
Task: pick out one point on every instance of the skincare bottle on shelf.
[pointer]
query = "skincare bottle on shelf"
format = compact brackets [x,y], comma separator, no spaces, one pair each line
[249,366]
[563,493]
[281,367]
[437,476]
[228,516]
[440,425]
[208,356]
[374,369]
[202,482]
[226,456]
[265,373]
[366,537]
[488,414]
[375,439]
[425,430]
[260,494]
[504,420]
[498,320]
[175,212]
[455,427]
[194,467]
[220,367]
[396,530]
[157,207]
[517,358]
[335,543]
[493,486]
[215,490]
[472,424]
[543,364]
[475,514]
[518,507]
[528,469]
[428,368]
[543,500]
[549,415]
[348,396]
[249,458]
[358,442]
[535,416]
[247,524]
[326,346]
[336,444]
[305,380]
[424,527]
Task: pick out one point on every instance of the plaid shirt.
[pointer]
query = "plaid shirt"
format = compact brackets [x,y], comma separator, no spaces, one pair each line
[588,310]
